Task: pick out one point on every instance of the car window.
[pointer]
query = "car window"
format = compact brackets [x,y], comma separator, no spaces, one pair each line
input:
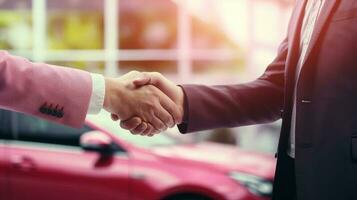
[5,124]
[32,129]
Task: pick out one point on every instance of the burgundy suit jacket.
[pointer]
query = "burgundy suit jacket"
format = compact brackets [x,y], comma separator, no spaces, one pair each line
[326,120]
[55,93]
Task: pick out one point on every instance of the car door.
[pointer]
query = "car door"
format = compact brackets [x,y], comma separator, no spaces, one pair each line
[48,163]
[4,161]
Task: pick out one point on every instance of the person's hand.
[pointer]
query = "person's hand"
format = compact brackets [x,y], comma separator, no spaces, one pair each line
[153,108]
[173,91]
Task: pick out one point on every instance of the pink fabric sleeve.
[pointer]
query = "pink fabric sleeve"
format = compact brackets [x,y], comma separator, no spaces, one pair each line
[55,93]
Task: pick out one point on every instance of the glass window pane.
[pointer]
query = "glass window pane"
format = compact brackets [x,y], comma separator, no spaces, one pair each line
[218,67]
[222,28]
[94,67]
[15,25]
[145,25]
[75,24]
[267,23]
[208,36]
[159,66]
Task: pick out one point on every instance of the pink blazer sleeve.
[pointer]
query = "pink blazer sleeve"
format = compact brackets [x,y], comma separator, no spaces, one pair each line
[55,93]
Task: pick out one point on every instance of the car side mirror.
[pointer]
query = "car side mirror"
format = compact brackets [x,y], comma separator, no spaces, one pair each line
[97,141]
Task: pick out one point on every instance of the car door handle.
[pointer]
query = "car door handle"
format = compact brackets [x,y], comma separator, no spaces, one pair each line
[23,163]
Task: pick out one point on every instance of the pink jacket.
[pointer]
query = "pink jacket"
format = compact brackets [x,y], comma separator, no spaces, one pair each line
[55,93]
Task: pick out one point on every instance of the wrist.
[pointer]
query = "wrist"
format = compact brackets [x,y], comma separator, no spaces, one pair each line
[108,85]
[98,93]
[112,92]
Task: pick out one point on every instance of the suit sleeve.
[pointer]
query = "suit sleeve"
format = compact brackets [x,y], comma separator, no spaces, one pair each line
[55,93]
[259,101]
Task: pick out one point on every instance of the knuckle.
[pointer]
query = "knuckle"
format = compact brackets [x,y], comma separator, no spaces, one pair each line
[155,94]
[168,119]
[151,89]
[162,126]
[151,95]
[151,111]
[136,120]
[157,74]
[149,105]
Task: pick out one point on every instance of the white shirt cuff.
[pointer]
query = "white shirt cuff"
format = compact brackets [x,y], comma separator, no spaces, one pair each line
[98,94]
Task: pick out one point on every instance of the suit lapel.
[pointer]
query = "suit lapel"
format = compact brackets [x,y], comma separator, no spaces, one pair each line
[325,13]
[296,22]
[294,38]
[292,58]
[294,43]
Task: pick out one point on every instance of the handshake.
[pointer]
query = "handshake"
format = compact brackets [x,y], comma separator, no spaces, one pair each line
[146,103]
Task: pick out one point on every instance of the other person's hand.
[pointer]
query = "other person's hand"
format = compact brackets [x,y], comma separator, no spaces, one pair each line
[125,100]
[135,124]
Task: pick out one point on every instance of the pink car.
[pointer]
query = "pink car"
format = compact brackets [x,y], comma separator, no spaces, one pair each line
[40,160]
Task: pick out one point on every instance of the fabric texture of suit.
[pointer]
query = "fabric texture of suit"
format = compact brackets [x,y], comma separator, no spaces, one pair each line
[326,103]
[55,93]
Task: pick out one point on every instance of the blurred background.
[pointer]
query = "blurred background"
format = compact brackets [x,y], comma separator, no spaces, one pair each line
[189,41]
[199,41]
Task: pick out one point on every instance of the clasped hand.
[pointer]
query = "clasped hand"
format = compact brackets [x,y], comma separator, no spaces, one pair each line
[146,103]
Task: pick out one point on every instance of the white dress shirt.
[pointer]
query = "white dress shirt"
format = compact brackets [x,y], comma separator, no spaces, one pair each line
[312,12]
[98,93]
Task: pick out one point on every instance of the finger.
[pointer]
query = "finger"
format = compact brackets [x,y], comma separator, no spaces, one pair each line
[171,108]
[149,130]
[140,129]
[114,117]
[164,116]
[144,79]
[152,130]
[152,78]
[156,132]
[167,89]
[153,133]
[134,133]
[157,123]
[142,134]
[131,123]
